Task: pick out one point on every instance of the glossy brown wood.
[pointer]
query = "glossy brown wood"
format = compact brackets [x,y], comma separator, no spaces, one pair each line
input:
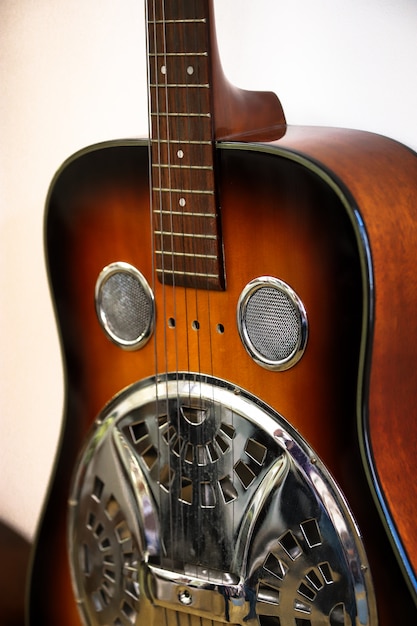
[279,218]
[282,215]
[186,220]
[14,555]
[382,176]
[191,103]
[240,114]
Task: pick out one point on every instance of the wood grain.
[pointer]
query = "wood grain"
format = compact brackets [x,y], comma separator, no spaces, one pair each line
[279,218]
[382,176]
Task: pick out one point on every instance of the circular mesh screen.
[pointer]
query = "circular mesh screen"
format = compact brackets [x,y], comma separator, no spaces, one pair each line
[272,323]
[125,306]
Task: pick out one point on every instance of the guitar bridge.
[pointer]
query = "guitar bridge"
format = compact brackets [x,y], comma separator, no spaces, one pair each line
[193,497]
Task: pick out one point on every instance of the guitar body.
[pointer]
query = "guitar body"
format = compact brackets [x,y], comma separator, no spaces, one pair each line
[292,210]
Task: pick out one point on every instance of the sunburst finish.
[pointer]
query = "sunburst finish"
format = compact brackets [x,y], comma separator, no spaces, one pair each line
[321,210]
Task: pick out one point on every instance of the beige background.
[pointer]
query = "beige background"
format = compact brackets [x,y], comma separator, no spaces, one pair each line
[72,72]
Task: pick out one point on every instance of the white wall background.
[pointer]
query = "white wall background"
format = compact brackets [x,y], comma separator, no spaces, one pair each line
[72,72]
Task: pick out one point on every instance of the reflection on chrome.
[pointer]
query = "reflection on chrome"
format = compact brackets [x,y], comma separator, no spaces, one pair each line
[193,497]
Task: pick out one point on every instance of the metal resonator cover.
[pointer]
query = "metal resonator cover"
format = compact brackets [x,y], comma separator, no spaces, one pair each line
[194,503]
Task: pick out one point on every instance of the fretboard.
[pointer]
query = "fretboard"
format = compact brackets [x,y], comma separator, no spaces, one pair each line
[184,202]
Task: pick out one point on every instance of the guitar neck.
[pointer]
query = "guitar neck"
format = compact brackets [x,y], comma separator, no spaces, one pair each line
[184,204]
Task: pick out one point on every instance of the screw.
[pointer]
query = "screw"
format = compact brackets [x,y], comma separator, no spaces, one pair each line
[185,597]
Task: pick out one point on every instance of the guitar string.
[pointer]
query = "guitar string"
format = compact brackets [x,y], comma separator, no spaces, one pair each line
[182,143]
[192,205]
[203,300]
[194,95]
[171,440]
[184,205]
[171,102]
[203,296]
[212,414]
[162,404]
[185,162]
[193,294]
[217,411]
[153,142]
[162,112]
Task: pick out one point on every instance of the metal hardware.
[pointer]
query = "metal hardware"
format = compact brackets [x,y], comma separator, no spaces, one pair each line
[192,498]
[125,305]
[272,323]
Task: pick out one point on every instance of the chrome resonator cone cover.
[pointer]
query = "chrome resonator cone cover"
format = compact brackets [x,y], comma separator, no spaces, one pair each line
[192,497]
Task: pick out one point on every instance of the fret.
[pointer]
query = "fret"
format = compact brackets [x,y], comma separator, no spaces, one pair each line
[178,54]
[188,245]
[197,121]
[185,211]
[179,86]
[187,115]
[181,173]
[188,255]
[191,274]
[182,141]
[209,192]
[189,21]
[182,257]
[170,233]
[183,167]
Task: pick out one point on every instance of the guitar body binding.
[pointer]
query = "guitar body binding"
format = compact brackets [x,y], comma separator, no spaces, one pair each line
[287,219]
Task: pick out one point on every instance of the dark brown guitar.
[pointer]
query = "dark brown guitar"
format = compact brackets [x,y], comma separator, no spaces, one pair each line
[236,302]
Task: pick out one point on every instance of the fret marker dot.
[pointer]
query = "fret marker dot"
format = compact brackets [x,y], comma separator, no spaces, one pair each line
[190,70]
[163,69]
[182,202]
[180,154]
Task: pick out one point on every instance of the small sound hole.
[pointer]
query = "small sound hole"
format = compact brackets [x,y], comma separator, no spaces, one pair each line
[272,323]
[125,305]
